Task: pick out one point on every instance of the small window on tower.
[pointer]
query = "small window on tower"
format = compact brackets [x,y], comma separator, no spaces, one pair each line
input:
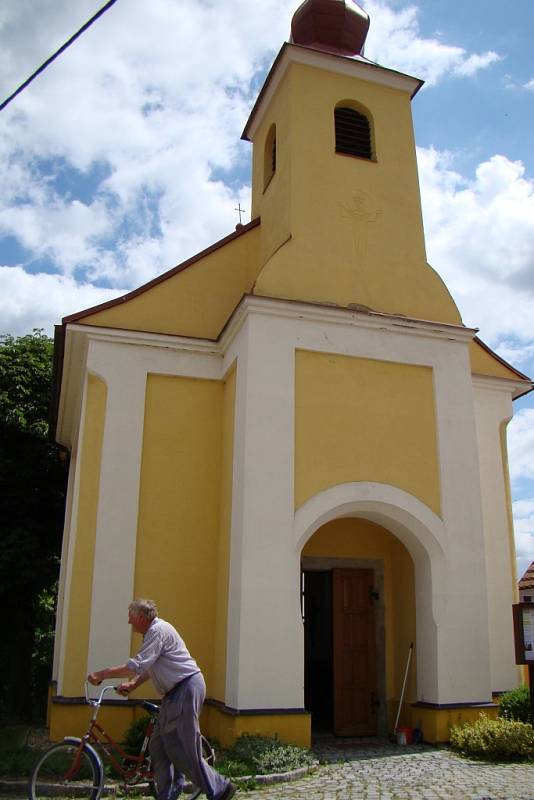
[353,133]
[269,163]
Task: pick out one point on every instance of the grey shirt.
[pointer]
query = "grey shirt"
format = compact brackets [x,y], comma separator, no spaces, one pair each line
[164,656]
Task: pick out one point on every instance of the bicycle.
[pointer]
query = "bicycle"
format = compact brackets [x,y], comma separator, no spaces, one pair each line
[74,767]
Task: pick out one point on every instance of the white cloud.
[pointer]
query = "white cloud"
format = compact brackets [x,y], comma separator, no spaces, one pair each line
[160,119]
[395,41]
[529,85]
[472,64]
[523,511]
[159,111]
[33,301]
[480,238]
[521,444]
[516,354]
[63,231]
[152,100]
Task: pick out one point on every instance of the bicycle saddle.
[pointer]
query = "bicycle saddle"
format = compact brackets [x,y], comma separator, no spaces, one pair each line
[150,707]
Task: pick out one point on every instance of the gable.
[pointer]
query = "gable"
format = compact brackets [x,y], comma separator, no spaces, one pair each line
[485,362]
[194,299]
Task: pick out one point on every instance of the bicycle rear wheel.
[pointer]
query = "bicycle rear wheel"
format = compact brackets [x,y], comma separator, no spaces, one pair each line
[66,771]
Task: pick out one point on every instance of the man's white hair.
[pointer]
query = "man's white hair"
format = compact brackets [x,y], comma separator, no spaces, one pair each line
[147,608]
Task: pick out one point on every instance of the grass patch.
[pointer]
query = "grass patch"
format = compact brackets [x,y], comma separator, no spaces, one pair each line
[16,758]
[12,737]
[16,763]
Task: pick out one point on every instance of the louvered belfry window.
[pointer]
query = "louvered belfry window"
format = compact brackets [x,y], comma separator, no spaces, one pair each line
[269,157]
[353,133]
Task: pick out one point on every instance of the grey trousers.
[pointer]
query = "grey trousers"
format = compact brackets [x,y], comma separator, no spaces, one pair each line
[176,746]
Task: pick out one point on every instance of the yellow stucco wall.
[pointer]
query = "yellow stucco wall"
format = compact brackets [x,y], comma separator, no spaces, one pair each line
[226,728]
[509,512]
[194,302]
[364,420]
[272,203]
[73,719]
[79,598]
[355,225]
[484,363]
[436,723]
[361,539]
[179,509]
[221,617]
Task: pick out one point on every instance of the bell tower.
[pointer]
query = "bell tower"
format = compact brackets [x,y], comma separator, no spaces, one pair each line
[335,175]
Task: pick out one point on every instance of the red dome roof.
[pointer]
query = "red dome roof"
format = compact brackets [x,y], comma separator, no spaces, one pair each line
[337,26]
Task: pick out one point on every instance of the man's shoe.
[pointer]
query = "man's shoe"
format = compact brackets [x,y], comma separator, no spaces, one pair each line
[229,792]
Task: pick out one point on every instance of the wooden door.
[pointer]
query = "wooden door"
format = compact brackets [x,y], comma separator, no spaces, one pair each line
[354,653]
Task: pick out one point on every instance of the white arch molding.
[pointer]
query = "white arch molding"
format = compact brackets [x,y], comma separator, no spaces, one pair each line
[423,534]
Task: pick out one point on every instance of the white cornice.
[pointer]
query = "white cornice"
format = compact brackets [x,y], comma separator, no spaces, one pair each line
[143,338]
[509,386]
[274,307]
[341,65]
[78,336]
[310,312]
[77,339]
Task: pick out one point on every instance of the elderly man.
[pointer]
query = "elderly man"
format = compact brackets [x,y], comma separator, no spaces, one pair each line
[175,746]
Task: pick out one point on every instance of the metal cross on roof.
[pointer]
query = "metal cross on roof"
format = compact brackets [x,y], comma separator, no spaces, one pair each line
[240,211]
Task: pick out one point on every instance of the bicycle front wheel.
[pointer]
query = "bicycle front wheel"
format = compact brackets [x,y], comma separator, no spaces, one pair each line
[66,770]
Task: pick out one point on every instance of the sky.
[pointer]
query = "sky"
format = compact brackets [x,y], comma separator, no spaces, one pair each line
[124,157]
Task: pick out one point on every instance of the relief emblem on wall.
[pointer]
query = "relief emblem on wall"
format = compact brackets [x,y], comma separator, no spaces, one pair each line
[363,215]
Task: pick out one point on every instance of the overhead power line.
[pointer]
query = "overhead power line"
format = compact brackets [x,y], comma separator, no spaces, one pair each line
[57,53]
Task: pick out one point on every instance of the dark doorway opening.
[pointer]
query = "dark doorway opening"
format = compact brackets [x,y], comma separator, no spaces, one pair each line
[318,650]
[340,673]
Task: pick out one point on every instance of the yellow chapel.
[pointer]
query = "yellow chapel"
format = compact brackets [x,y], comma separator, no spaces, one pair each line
[293,443]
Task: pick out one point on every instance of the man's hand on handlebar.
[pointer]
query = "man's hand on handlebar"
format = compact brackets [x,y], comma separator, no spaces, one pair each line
[125,688]
[95,678]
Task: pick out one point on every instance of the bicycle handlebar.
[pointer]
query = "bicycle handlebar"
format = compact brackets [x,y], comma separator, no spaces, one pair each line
[97,701]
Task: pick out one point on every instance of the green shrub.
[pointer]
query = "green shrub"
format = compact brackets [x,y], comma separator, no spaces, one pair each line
[516,704]
[282,758]
[264,755]
[494,740]
[135,735]
[249,755]
[233,769]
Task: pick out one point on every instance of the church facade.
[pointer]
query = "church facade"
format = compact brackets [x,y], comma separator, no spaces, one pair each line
[293,444]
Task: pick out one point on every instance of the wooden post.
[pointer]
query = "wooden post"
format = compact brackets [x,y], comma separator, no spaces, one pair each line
[531,686]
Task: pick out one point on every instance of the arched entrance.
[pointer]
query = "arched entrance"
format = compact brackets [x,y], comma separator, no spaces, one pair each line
[358,602]
[372,571]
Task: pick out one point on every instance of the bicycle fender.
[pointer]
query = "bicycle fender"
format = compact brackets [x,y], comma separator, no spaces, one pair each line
[76,741]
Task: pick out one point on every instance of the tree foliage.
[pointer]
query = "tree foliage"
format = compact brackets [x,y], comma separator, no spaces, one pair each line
[32,488]
[25,382]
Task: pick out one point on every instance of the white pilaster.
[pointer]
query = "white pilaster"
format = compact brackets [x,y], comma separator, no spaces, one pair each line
[461,614]
[493,405]
[265,630]
[124,371]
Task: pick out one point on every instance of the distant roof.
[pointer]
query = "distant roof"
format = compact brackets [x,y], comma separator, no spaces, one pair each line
[527,581]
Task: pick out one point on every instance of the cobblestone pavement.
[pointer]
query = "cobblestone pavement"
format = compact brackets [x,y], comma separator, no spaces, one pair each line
[393,773]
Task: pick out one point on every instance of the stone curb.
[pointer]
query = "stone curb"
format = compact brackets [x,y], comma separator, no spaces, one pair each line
[110,790]
[14,787]
[277,777]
